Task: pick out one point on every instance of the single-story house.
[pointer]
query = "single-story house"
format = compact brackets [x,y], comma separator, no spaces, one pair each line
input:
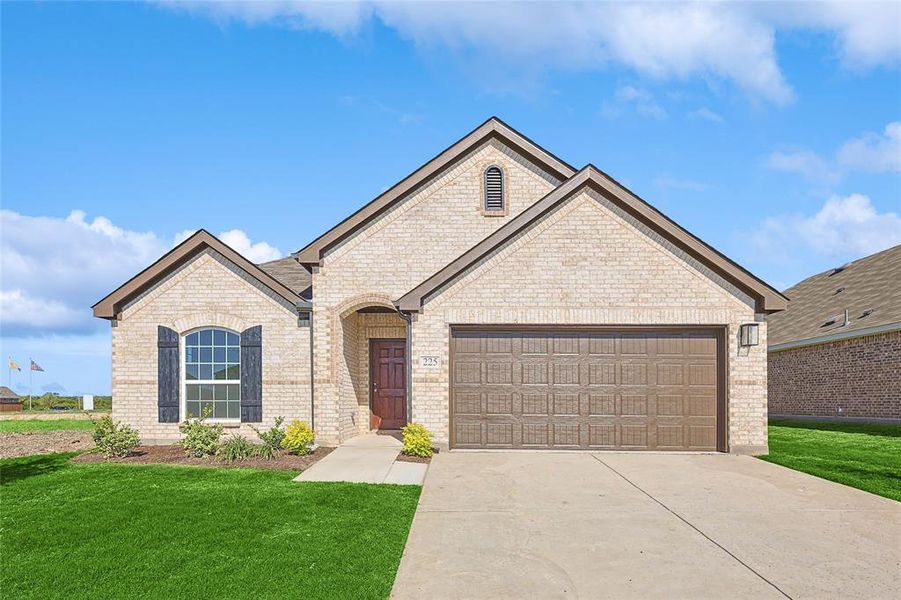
[496,295]
[9,400]
[836,350]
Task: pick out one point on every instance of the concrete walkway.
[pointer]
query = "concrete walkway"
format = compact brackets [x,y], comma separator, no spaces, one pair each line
[366,459]
[580,525]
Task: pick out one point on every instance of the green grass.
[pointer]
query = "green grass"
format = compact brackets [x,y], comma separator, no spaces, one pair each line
[25,425]
[864,456]
[96,530]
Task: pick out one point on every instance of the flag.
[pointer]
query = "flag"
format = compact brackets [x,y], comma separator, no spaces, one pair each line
[14,365]
[35,366]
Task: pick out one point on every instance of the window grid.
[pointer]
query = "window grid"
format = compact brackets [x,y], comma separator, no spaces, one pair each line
[213,374]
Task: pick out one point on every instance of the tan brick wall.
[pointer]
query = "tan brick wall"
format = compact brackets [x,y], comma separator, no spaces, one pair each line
[587,264]
[208,291]
[859,377]
[395,253]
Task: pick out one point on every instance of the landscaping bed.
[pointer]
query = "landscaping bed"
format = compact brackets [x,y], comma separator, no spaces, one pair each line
[413,459]
[13,444]
[106,530]
[860,455]
[175,455]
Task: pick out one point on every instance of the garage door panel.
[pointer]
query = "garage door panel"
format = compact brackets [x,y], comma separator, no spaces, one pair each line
[585,389]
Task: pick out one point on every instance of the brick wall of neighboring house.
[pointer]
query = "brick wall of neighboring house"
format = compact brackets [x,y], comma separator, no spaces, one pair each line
[208,291]
[392,255]
[587,263]
[860,376]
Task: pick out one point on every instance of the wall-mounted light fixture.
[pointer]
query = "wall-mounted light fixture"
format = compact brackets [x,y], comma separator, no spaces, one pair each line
[748,335]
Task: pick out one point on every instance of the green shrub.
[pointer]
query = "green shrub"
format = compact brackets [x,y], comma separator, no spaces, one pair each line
[263,451]
[236,447]
[272,437]
[114,439]
[200,438]
[417,440]
[298,437]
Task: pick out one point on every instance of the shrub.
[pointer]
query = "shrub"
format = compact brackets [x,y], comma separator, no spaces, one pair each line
[200,438]
[236,447]
[417,440]
[272,437]
[298,437]
[114,439]
[263,451]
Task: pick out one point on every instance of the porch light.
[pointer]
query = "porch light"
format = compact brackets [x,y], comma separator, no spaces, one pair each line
[748,335]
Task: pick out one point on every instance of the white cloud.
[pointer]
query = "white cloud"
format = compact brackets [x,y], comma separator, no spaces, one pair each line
[873,151]
[633,98]
[658,40]
[844,226]
[53,269]
[705,114]
[811,165]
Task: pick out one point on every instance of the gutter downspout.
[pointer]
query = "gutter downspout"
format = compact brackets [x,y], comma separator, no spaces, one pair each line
[305,307]
[408,367]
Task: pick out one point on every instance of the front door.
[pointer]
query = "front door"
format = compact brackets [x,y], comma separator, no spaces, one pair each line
[388,362]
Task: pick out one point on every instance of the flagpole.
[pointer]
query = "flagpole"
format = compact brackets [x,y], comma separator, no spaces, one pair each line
[30,380]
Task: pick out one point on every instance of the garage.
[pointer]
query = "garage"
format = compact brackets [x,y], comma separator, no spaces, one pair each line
[588,388]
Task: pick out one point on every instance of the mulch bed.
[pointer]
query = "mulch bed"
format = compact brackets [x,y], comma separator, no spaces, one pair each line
[28,443]
[413,459]
[175,455]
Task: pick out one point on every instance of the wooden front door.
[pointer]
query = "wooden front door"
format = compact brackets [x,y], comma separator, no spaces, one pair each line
[388,364]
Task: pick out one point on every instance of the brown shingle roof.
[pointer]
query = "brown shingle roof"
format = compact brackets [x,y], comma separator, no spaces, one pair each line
[871,283]
[291,274]
[5,392]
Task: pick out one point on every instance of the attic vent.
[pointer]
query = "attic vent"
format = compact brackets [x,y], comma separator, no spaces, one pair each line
[494,189]
[866,313]
[837,270]
[839,291]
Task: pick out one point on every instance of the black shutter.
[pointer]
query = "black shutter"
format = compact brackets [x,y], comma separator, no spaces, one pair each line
[252,375]
[167,375]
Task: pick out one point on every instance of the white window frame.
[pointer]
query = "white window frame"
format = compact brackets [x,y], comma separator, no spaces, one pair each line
[183,374]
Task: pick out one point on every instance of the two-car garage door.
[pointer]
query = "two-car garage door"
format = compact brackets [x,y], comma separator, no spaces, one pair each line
[588,388]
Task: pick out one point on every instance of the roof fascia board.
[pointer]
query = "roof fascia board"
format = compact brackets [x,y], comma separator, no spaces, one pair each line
[769,299]
[835,337]
[493,127]
[108,307]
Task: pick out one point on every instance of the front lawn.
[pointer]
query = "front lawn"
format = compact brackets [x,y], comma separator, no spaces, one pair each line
[864,456]
[92,530]
[27,425]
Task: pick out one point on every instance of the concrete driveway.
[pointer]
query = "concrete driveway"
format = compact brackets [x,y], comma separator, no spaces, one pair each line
[579,525]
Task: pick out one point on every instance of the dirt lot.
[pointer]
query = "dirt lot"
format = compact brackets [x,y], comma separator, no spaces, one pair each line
[176,455]
[25,444]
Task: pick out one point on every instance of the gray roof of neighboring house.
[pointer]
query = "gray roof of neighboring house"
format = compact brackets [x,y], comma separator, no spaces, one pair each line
[291,274]
[818,303]
[5,392]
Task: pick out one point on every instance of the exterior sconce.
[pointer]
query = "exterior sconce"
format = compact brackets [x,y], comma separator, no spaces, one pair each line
[748,335]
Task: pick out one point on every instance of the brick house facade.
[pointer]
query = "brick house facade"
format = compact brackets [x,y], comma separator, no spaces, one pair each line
[836,350]
[598,322]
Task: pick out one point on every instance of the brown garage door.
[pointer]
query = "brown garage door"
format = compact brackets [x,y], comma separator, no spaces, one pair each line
[591,389]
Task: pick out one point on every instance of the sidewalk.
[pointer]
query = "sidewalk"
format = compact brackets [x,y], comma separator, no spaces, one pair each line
[366,459]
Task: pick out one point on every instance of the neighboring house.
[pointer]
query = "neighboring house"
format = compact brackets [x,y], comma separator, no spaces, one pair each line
[9,400]
[496,295]
[836,351]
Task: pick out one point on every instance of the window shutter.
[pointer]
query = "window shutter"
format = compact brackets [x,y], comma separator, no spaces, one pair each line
[167,375]
[494,189]
[252,375]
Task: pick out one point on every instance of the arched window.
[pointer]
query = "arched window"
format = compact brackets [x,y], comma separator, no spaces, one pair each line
[213,374]
[494,189]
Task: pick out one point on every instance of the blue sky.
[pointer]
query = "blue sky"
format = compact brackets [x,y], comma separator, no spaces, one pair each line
[770,131]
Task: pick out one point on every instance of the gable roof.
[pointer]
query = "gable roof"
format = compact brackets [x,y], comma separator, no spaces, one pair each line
[818,303]
[768,299]
[492,128]
[7,393]
[109,307]
[291,273]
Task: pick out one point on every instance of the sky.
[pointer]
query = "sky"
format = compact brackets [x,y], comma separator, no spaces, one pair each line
[772,131]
